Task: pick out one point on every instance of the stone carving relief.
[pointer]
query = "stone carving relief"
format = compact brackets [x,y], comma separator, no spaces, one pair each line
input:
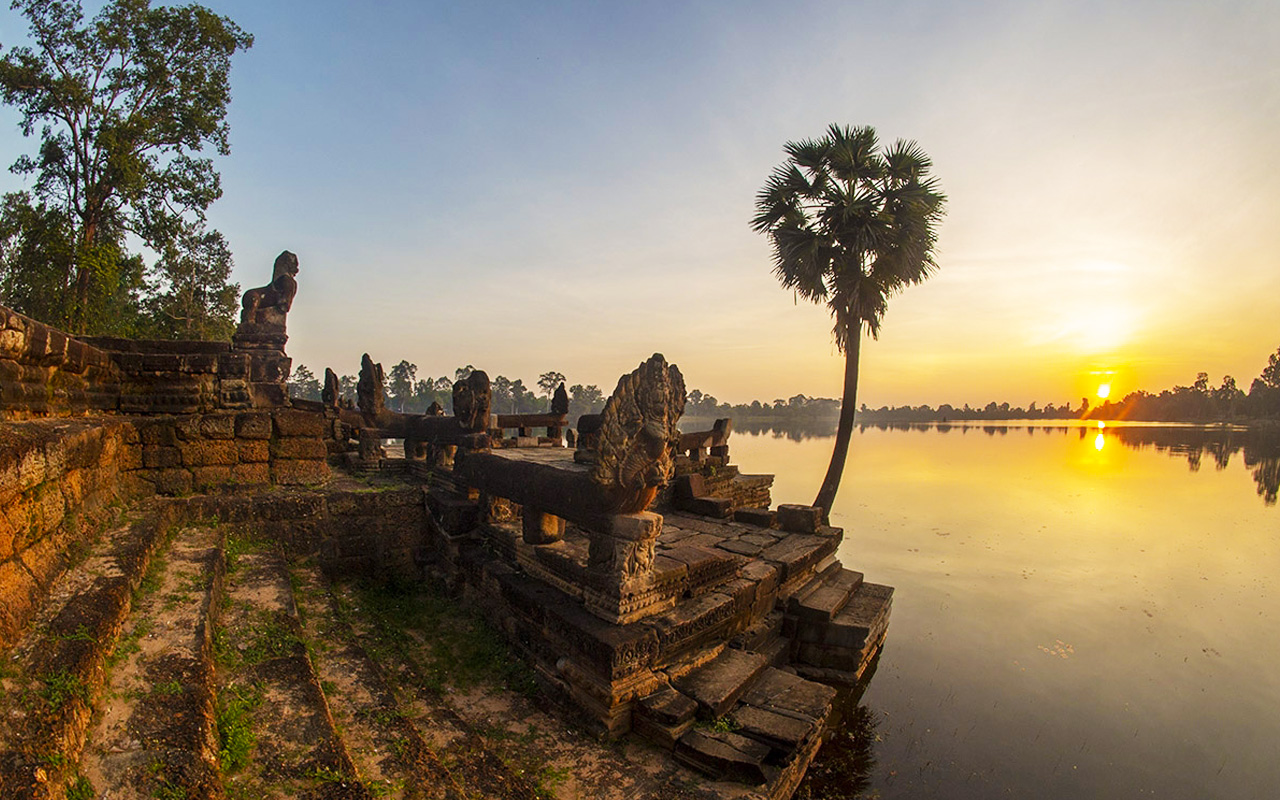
[637,434]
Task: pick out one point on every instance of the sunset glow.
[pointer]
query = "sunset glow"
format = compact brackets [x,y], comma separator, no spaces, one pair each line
[1112,165]
[1104,391]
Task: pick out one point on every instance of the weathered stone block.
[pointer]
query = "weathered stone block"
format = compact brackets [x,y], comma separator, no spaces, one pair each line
[18,595]
[7,534]
[172,481]
[156,456]
[130,457]
[635,527]
[799,519]
[251,473]
[760,517]
[777,730]
[210,452]
[203,478]
[218,426]
[299,447]
[158,432]
[292,422]
[723,755]
[253,425]
[253,451]
[717,685]
[295,472]
[12,343]
[669,706]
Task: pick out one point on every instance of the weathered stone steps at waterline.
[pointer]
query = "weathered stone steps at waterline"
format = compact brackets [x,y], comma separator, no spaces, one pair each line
[734,717]
[57,668]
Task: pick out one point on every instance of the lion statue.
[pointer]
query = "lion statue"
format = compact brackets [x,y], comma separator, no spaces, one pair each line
[269,304]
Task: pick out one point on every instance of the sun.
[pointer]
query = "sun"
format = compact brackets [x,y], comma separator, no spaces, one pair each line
[1104,391]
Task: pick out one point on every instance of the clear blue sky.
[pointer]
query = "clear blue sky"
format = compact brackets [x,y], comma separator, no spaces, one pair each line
[536,186]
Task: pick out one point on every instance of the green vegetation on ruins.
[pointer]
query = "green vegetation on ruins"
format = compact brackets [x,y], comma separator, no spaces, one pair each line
[124,105]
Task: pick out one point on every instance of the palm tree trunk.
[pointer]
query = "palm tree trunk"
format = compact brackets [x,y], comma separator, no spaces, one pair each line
[848,405]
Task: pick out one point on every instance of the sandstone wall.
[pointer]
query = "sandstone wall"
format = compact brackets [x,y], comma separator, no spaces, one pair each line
[43,371]
[60,477]
[46,372]
[58,481]
[176,455]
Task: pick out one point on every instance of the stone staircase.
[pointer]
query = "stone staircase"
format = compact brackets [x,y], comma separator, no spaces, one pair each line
[185,658]
[736,717]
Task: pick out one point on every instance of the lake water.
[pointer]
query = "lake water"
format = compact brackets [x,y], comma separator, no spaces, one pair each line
[1080,612]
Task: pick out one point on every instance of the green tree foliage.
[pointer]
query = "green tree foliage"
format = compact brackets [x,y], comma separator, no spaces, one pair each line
[123,105]
[304,385]
[37,268]
[584,400]
[400,384]
[192,298]
[851,224]
[548,381]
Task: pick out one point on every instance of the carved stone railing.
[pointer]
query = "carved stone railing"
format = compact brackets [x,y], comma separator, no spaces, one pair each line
[605,490]
[426,436]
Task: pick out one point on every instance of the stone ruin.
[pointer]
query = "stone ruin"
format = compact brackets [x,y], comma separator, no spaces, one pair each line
[647,582]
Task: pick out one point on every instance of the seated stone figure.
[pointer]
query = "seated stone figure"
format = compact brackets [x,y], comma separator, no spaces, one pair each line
[268,305]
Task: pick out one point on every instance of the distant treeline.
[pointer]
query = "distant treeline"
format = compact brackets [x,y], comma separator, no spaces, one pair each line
[408,393]
[1199,402]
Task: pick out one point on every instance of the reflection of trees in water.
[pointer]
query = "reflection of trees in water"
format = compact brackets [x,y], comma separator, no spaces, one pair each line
[842,770]
[1260,448]
[1218,445]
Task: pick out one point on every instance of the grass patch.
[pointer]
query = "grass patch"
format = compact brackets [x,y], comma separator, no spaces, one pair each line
[128,644]
[326,775]
[168,687]
[264,637]
[61,687]
[237,545]
[725,724]
[79,788]
[153,579]
[454,645]
[235,728]
[82,634]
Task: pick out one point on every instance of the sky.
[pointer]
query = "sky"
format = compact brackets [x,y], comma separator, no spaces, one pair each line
[527,187]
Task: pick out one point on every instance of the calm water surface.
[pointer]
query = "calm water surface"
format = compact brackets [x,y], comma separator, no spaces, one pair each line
[1079,612]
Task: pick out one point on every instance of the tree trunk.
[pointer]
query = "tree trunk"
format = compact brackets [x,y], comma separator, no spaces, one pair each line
[848,405]
[84,274]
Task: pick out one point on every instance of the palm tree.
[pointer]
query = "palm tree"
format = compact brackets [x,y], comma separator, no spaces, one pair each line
[851,225]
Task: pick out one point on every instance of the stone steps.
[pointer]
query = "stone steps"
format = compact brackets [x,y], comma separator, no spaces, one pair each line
[824,596]
[279,740]
[402,655]
[155,730]
[841,649]
[737,718]
[768,737]
[389,752]
[56,671]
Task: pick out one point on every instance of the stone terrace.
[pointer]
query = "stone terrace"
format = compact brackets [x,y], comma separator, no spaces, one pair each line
[194,578]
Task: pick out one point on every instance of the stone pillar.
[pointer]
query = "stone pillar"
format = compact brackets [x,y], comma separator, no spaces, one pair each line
[621,560]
